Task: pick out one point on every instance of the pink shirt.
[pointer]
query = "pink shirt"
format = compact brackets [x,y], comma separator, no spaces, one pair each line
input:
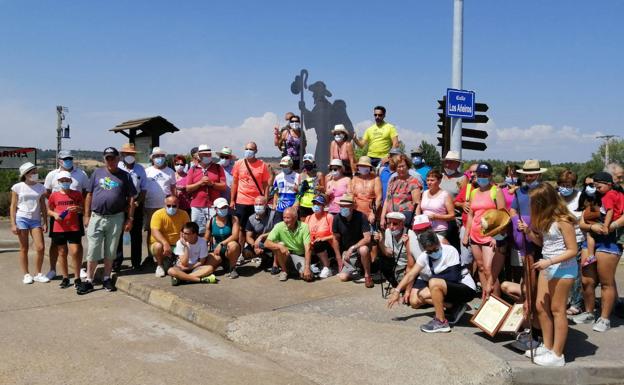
[335,191]
[435,205]
[480,203]
[204,196]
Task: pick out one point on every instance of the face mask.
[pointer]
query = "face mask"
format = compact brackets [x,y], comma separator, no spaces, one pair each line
[449,171]
[316,208]
[295,125]
[533,184]
[65,185]
[591,191]
[206,160]
[396,233]
[417,160]
[224,162]
[308,166]
[179,167]
[338,138]
[364,170]
[566,191]
[345,211]
[249,154]
[436,254]
[483,181]
[34,177]
[286,170]
[222,212]
[510,180]
[68,164]
[259,209]
[335,174]
[159,162]
[129,159]
[171,210]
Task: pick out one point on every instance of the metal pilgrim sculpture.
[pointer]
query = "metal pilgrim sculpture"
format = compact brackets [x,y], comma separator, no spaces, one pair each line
[322,118]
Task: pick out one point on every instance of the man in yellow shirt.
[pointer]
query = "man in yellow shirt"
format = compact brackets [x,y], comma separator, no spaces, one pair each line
[166,225]
[380,137]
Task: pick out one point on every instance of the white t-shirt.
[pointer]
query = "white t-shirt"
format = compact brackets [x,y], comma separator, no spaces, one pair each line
[197,250]
[388,241]
[572,206]
[450,257]
[80,180]
[29,199]
[159,182]
[415,246]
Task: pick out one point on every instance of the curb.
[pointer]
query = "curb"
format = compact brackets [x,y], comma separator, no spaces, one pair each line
[198,314]
[610,372]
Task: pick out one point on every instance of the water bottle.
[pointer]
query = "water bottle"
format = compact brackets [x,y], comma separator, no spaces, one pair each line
[126,238]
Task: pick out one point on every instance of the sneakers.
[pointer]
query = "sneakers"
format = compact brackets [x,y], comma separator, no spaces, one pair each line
[41,278]
[209,279]
[240,261]
[538,351]
[64,283]
[436,326]
[601,325]
[108,285]
[584,318]
[176,282]
[51,275]
[84,288]
[456,313]
[283,276]
[233,273]
[549,359]
[275,270]
[325,273]
[315,270]
[160,272]
[523,341]
[83,273]
[28,279]
[77,282]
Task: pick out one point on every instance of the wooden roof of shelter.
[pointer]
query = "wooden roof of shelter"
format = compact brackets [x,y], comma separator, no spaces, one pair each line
[154,125]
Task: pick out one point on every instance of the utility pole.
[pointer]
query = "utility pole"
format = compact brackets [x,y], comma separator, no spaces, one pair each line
[457,64]
[607,138]
[60,117]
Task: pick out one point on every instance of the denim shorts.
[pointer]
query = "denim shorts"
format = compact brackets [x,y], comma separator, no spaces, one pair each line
[608,244]
[26,223]
[566,269]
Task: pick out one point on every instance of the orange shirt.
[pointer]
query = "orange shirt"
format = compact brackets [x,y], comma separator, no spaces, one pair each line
[247,190]
[320,228]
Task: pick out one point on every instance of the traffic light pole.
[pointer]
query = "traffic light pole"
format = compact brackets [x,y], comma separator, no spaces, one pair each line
[457,64]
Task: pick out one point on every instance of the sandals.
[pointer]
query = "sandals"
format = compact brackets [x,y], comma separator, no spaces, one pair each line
[573,310]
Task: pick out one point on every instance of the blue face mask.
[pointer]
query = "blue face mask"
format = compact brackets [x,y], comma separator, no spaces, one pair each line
[224,162]
[591,191]
[533,184]
[159,161]
[171,210]
[249,154]
[436,254]
[316,208]
[68,164]
[483,181]
[65,185]
[566,191]
[345,211]
[223,212]
[286,170]
[417,160]
[510,180]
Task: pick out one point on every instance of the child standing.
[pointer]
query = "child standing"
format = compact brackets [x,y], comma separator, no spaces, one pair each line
[65,205]
[28,216]
[552,227]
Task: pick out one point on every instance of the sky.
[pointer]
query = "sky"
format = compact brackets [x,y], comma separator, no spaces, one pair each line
[550,71]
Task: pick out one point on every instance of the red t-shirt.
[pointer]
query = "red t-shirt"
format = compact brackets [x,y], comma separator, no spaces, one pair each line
[205,196]
[247,189]
[59,202]
[613,200]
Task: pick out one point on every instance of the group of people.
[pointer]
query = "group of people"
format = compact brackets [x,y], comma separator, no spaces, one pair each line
[424,230]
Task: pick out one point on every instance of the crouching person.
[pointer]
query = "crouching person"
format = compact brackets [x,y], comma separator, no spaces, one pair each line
[165,226]
[290,241]
[438,280]
[194,264]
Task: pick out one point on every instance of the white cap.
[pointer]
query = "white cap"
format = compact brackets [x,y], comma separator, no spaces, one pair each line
[158,151]
[63,174]
[421,222]
[308,158]
[286,161]
[396,215]
[204,148]
[220,203]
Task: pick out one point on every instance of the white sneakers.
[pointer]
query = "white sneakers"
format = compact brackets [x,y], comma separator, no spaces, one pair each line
[41,278]
[601,325]
[51,275]
[160,272]
[325,273]
[83,273]
[549,358]
[28,279]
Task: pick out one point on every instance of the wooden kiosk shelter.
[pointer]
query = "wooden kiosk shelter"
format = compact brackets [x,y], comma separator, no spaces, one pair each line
[145,133]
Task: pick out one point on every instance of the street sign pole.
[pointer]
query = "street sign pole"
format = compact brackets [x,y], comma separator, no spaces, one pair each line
[457,64]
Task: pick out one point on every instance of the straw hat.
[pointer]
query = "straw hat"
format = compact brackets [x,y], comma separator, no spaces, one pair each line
[226,151]
[364,161]
[495,222]
[129,148]
[26,168]
[157,151]
[286,161]
[531,166]
[346,200]
[340,129]
[452,155]
[336,162]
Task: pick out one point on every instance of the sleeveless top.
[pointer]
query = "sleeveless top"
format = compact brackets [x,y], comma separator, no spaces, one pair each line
[363,194]
[435,205]
[339,151]
[451,184]
[335,190]
[292,146]
[480,202]
[307,190]
[220,233]
[554,245]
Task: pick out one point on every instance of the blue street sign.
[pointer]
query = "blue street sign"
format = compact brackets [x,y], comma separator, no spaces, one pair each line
[460,103]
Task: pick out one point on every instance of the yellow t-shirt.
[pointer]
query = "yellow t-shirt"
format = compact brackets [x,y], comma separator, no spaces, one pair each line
[169,226]
[379,139]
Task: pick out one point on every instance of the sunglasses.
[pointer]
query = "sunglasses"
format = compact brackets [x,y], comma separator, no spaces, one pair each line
[433,251]
[224,157]
[334,168]
[378,114]
[179,164]
[187,233]
[174,206]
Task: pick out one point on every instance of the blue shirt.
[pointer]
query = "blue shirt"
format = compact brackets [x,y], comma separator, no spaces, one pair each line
[137,173]
[423,171]
[521,202]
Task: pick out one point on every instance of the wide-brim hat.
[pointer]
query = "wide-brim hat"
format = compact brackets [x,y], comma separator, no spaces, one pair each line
[494,222]
[26,168]
[226,151]
[63,175]
[364,161]
[340,129]
[336,162]
[158,151]
[531,166]
[346,200]
[452,155]
[204,148]
[128,148]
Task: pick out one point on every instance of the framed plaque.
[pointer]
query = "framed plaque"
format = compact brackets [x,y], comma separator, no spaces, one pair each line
[491,315]
[514,320]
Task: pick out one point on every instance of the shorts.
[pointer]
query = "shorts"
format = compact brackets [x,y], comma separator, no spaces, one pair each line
[456,292]
[466,256]
[514,258]
[298,262]
[567,270]
[71,237]
[243,212]
[26,223]
[201,216]
[151,247]
[349,266]
[319,247]
[103,236]
[608,244]
[375,161]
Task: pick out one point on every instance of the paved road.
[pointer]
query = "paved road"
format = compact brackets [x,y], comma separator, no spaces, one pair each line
[53,336]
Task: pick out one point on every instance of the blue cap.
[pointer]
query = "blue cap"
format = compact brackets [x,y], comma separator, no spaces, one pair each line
[484,168]
[319,199]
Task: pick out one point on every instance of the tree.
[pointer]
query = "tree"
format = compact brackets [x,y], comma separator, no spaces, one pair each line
[431,155]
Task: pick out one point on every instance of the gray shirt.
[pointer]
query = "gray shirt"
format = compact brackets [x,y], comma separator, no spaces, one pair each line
[110,191]
[452,184]
[259,226]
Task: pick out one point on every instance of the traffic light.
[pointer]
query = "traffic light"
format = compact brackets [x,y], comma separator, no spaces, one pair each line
[444,127]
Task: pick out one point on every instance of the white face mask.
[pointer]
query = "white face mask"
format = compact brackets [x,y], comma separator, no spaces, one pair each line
[449,171]
[338,138]
[179,167]
[364,170]
[33,177]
